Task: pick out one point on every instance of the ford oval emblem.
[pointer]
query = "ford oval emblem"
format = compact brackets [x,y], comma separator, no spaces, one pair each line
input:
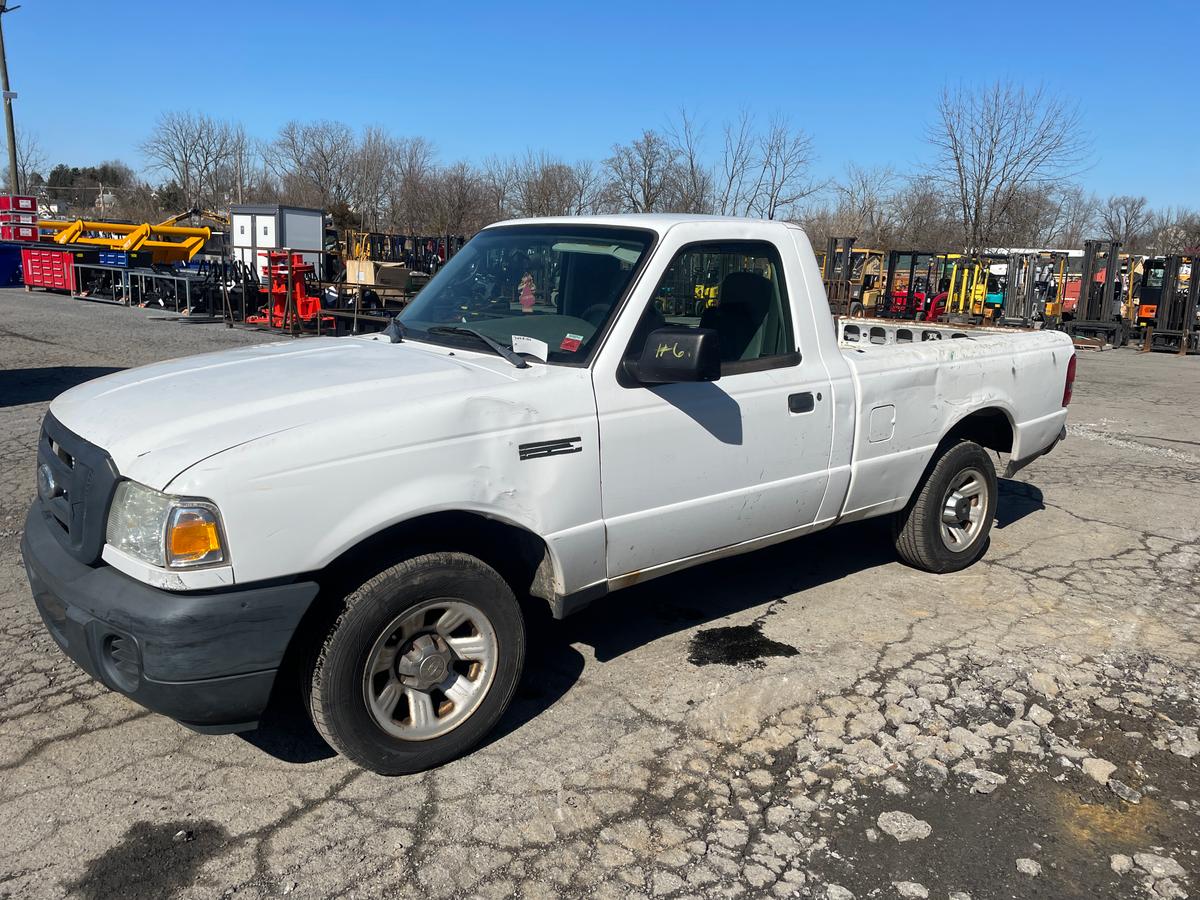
[47,486]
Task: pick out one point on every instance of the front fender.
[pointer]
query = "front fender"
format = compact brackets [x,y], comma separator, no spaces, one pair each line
[283,522]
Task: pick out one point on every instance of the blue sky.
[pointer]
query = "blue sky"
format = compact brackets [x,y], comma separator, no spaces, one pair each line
[573,78]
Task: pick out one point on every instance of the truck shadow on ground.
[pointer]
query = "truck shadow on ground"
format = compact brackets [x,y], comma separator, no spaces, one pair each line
[137,867]
[623,621]
[1016,500]
[37,385]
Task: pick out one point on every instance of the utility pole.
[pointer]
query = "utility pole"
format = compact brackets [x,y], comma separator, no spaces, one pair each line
[13,187]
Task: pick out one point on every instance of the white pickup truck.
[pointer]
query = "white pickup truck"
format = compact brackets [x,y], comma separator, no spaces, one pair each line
[571,406]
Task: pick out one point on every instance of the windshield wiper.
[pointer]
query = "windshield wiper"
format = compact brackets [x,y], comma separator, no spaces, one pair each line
[500,348]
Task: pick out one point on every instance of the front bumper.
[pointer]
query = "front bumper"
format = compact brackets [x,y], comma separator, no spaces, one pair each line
[206,659]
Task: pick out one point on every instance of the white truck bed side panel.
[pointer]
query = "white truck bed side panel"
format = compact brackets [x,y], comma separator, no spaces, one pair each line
[934,385]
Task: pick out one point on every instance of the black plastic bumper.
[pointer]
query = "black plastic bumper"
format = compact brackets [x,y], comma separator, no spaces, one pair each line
[1016,465]
[206,659]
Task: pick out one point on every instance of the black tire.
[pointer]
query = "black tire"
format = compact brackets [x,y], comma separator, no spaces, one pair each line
[857,311]
[336,694]
[917,529]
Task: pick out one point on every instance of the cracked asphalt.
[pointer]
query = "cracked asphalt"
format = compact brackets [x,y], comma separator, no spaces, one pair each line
[814,720]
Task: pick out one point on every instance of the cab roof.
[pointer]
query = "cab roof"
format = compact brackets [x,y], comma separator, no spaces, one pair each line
[659,222]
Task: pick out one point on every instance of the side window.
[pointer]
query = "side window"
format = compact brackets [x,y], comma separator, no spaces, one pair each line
[735,289]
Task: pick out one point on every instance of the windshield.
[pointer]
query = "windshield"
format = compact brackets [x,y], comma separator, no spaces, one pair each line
[546,291]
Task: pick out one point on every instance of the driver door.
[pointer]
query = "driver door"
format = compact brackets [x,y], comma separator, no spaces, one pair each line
[693,467]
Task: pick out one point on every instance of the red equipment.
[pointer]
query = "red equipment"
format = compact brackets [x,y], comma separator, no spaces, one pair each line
[303,307]
[936,308]
[18,232]
[17,203]
[44,268]
[900,307]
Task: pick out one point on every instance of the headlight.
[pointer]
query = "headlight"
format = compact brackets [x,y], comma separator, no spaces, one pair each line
[176,532]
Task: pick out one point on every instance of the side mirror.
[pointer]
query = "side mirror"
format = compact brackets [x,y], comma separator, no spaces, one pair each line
[675,354]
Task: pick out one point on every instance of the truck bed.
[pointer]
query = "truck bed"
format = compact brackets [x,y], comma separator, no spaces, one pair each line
[914,381]
[859,333]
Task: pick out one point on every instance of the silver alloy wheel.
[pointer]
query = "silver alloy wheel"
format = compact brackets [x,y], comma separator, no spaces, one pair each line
[964,510]
[430,668]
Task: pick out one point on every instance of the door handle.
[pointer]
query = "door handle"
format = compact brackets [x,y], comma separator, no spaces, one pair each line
[801,403]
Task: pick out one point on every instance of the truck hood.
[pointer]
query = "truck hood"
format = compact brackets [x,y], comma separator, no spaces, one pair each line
[156,421]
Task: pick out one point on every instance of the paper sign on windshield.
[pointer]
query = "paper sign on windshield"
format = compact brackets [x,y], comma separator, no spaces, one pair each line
[535,348]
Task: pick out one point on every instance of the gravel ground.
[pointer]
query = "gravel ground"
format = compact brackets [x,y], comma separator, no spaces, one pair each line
[814,720]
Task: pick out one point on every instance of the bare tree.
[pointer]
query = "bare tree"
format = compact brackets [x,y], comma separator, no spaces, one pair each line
[693,181]
[1028,220]
[857,206]
[922,216]
[372,164]
[461,204]
[195,151]
[587,187]
[411,200]
[1171,230]
[545,186]
[1074,218]
[315,161]
[31,164]
[1188,228]
[1124,218]
[994,143]
[641,173]
[499,177]
[863,203]
[737,179]
[785,160]
[243,175]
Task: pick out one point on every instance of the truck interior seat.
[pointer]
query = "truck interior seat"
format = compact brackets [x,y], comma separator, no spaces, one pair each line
[743,316]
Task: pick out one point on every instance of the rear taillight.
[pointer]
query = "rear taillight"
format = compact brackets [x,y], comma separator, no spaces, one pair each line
[1069,387]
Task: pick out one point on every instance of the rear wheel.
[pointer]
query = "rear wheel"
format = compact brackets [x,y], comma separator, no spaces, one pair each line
[420,665]
[945,527]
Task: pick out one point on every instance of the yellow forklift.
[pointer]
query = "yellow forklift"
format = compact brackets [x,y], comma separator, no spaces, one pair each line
[967,288]
[975,286]
[853,277]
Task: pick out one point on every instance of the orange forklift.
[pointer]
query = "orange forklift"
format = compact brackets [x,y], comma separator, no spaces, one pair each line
[1168,304]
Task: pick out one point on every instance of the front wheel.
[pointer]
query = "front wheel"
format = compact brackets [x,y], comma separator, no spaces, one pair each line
[420,665]
[945,527]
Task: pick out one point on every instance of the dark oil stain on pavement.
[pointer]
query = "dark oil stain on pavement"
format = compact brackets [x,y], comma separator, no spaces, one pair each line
[735,645]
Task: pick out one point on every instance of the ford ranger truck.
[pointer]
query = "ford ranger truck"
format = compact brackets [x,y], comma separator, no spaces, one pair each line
[568,408]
